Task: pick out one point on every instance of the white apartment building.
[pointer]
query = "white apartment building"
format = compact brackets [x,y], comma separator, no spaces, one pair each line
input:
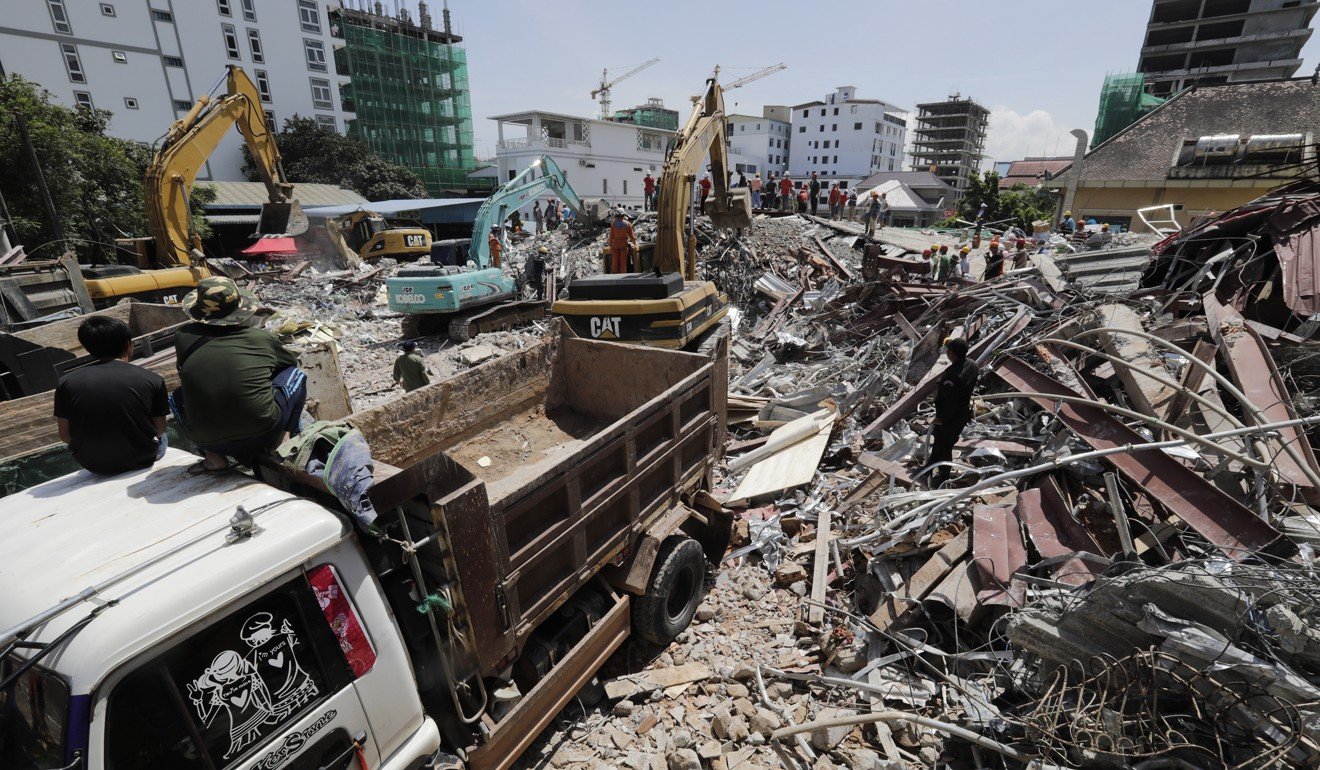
[760,145]
[147,61]
[602,159]
[844,136]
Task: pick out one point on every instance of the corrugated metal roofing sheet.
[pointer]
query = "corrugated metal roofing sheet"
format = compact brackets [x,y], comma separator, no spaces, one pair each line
[254,194]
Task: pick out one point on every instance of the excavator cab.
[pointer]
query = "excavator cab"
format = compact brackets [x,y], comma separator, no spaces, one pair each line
[282,218]
[737,215]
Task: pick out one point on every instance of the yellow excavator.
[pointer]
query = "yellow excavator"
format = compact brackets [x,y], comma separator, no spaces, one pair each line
[667,306]
[365,235]
[169,263]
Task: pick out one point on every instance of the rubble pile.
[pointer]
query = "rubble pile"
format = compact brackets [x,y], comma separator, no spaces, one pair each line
[1121,571]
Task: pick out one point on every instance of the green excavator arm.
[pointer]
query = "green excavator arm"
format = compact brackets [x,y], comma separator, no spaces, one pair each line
[514,194]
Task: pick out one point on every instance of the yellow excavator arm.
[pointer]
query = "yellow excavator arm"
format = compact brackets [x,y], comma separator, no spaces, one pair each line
[703,134]
[185,148]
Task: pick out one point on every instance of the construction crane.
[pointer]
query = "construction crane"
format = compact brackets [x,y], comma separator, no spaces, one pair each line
[606,84]
[756,76]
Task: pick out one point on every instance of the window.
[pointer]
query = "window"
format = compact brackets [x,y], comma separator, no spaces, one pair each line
[625,187]
[249,10]
[322,99]
[130,103]
[836,110]
[265,666]
[83,99]
[119,56]
[834,126]
[164,16]
[326,121]
[254,45]
[181,105]
[743,127]
[72,63]
[802,129]
[804,113]
[822,128]
[309,16]
[223,7]
[263,85]
[172,61]
[107,9]
[231,40]
[270,119]
[315,52]
[59,17]
[604,187]
[857,126]
[836,158]
[822,113]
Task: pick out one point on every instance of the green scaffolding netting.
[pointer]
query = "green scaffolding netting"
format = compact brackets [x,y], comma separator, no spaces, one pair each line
[412,103]
[1123,99]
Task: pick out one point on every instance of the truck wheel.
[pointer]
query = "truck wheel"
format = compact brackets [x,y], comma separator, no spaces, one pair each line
[672,596]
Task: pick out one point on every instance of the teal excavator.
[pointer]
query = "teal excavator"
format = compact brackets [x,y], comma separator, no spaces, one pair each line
[478,297]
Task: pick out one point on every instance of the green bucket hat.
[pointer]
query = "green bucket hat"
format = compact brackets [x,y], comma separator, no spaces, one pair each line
[219,302]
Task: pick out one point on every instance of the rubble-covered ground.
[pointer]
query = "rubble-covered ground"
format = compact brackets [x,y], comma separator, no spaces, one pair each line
[1119,574]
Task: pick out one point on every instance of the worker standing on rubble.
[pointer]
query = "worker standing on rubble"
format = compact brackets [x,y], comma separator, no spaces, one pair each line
[705,191]
[802,200]
[494,246]
[852,204]
[872,213]
[648,192]
[755,186]
[834,201]
[994,262]
[815,192]
[536,270]
[953,407]
[943,265]
[786,196]
[622,239]
[1068,225]
[410,368]
[1020,259]
[110,412]
[241,392]
[538,217]
[965,261]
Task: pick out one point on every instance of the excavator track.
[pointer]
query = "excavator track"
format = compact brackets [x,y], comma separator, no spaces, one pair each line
[465,326]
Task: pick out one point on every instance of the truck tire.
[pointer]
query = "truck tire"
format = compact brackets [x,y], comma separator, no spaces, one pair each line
[675,590]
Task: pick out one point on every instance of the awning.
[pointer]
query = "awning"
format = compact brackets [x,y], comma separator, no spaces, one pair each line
[274,245]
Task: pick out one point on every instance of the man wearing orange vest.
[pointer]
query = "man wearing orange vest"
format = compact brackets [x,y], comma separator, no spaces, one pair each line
[621,238]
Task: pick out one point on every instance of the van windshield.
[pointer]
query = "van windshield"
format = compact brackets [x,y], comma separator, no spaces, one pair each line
[32,717]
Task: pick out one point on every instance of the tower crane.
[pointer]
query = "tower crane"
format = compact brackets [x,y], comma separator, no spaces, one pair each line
[606,84]
[742,81]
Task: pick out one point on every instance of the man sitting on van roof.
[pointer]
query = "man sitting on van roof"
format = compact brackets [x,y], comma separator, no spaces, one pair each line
[111,413]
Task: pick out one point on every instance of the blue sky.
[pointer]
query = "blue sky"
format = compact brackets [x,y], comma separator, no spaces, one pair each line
[1037,64]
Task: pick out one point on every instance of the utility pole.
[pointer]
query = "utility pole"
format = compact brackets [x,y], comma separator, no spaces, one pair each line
[20,122]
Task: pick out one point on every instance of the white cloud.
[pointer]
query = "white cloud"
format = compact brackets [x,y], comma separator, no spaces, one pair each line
[1013,136]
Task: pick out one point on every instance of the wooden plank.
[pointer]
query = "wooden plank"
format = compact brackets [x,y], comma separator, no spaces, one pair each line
[793,466]
[931,574]
[327,396]
[887,467]
[834,261]
[820,567]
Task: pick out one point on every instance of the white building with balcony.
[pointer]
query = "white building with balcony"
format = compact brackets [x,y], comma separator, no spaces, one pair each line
[847,137]
[602,159]
[147,61]
[760,144]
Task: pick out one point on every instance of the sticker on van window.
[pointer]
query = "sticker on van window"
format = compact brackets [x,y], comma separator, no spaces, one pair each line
[259,687]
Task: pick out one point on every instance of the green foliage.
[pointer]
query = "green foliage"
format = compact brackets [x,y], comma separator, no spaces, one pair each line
[95,181]
[198,197]
[313,153]
[1020,204]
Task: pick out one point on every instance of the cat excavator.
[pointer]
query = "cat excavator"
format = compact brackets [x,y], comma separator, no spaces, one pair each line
[667,306]
[170,263]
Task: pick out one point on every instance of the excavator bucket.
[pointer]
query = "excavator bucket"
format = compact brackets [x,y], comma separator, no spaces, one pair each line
[285,218]
[739,212]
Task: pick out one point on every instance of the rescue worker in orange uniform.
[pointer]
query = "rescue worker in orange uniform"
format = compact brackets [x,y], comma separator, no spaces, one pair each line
[622,238]
[494,246]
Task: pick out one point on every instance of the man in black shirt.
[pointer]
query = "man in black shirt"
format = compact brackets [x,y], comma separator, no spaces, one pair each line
[953,407]
[111,413]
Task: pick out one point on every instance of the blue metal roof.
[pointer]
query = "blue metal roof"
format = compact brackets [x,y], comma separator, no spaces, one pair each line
[428,211]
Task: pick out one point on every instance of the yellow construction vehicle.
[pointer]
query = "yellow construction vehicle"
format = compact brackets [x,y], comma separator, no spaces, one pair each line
[365,234]
[170,262]
[668,306]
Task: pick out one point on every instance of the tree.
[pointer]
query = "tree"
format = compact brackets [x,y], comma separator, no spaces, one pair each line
[1021,205]
[313,153]
[95,181]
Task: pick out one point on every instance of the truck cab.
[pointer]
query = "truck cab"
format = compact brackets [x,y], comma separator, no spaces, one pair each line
[249,631]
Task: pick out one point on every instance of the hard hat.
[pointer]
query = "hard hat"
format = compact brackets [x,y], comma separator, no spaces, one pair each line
[1105,226]
[943,249]
[1021,241]
[965,250]
[934,247]
[543,250]
[925,252]
[875,194]
[1067,213]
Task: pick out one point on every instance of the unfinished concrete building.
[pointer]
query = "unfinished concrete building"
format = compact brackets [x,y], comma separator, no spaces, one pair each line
[1223,41]
[949,140]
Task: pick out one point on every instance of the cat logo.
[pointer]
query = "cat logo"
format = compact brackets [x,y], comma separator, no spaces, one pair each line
[606,328]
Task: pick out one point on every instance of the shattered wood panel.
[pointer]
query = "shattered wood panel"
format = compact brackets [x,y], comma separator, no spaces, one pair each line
[932,573]
[1212,513]
[791,467]
[1253,371]
[997,553]
[1056,534]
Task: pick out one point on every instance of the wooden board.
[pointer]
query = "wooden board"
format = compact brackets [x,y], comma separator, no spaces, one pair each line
[792,467]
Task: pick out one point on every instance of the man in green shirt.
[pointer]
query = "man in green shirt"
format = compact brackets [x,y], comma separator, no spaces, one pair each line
[815,192]
[241,392]
[410,368]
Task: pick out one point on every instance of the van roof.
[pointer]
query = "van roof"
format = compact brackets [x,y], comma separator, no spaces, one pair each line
[80,530]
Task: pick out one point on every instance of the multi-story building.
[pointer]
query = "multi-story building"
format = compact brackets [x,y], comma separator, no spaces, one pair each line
[845,136]
[949,139]
[408,83]
[1223,41]
[602,158]
[760,145]
[653,114]
[147,61]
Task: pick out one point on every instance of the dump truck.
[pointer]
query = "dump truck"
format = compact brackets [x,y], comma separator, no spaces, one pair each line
[534,512]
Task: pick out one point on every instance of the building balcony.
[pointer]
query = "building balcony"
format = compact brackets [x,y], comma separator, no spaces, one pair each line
[1301,35]
[1223,69]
